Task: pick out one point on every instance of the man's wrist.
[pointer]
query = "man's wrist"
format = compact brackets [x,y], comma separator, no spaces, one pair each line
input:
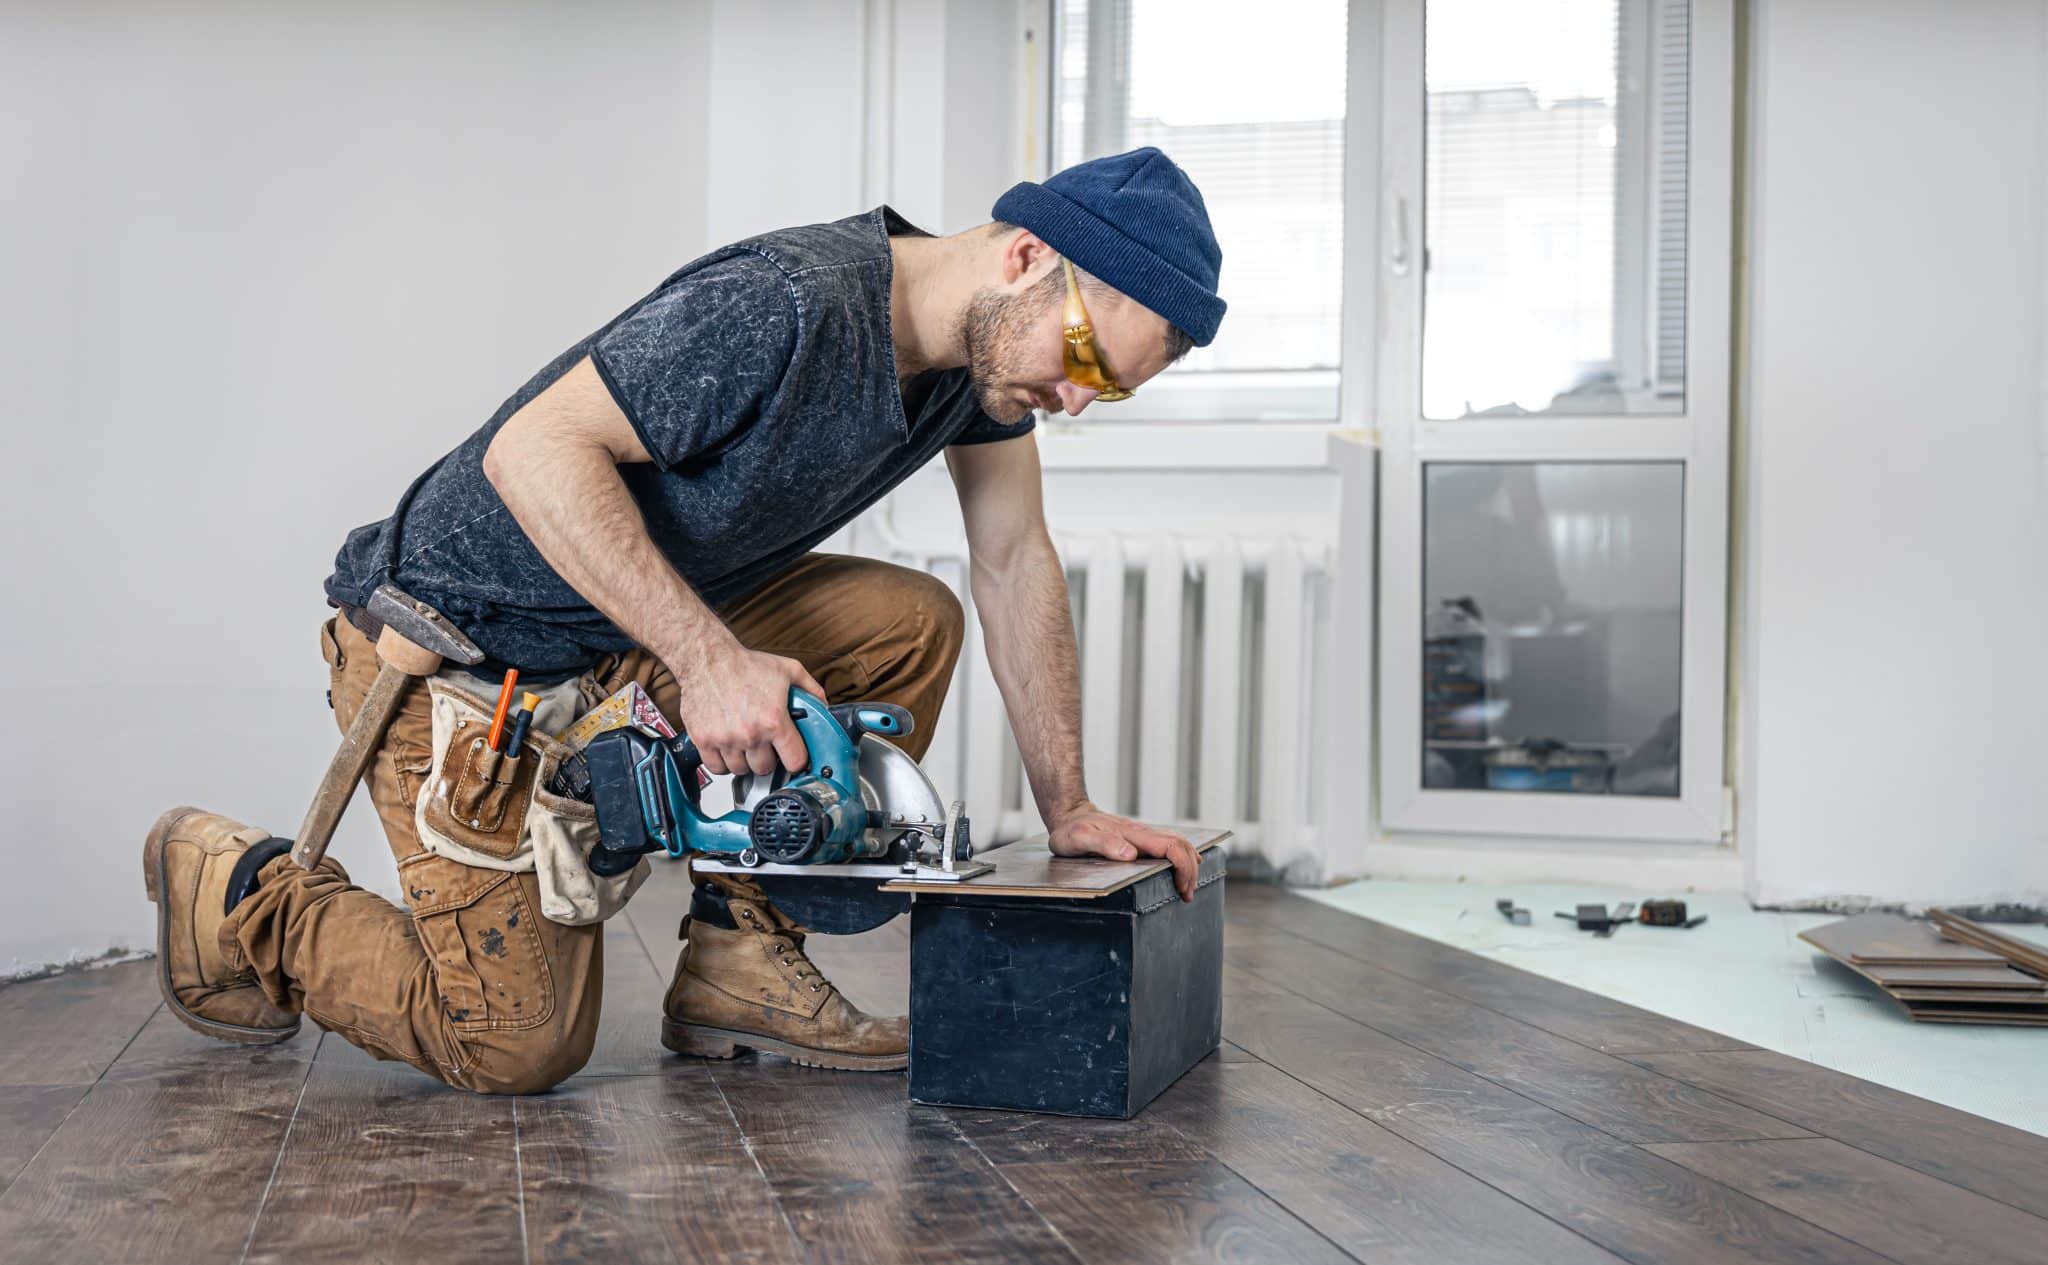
[1078,808]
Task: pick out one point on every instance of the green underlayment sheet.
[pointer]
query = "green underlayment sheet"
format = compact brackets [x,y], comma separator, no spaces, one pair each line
[1744,972]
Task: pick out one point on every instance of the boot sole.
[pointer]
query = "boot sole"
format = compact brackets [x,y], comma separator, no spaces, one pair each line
[156,880]
[698,1041]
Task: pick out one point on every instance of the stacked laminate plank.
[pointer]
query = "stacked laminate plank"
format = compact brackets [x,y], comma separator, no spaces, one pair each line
[1947,970]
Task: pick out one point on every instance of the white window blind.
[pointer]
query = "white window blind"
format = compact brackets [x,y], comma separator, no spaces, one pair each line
[1254,111]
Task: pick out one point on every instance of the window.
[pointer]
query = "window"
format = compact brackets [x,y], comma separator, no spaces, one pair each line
[1555,207]
[1254,111]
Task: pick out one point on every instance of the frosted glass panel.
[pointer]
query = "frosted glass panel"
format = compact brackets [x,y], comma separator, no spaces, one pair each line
[1551,626]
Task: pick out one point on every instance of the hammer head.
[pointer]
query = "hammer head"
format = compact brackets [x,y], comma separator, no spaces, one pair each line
[422,625]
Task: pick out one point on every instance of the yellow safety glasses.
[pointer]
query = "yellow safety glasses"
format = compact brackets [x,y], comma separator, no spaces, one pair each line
[1085,365]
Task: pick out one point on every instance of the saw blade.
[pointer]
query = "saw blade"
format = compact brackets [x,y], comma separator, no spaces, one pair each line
[896,791]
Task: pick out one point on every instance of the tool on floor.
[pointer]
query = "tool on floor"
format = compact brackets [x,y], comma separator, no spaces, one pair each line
[414,640]
[861,809]
[1512,912]
[1599,920]
[520,724]
[1667,913]
[497,733]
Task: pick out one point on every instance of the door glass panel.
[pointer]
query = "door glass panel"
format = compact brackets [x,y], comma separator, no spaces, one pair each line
[1551,626]
[1554,218]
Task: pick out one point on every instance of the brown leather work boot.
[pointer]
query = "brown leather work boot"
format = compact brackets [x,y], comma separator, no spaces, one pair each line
[751,987]
[189,867]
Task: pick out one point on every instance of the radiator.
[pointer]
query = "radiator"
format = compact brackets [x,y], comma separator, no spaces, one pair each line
[1200,658]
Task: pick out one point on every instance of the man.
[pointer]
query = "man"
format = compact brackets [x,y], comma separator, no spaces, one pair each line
[644,510]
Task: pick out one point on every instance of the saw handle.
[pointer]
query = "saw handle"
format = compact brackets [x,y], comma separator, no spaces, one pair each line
[884,720]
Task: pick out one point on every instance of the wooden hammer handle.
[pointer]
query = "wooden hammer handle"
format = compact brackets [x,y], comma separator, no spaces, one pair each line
[350,759]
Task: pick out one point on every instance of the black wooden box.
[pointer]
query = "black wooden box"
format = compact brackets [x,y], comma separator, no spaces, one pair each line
[1082,1007]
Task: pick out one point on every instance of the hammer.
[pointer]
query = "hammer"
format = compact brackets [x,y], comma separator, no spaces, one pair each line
[416,638]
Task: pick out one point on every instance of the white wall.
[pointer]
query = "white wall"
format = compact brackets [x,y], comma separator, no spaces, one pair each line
[1892,582]
[263,263]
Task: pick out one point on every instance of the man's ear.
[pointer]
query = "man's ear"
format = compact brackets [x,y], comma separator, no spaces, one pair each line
[1025,253]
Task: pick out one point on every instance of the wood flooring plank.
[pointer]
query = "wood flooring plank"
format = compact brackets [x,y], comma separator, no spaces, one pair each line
[1611,1094]
[864,1177]
[645,1168]
[1148,1211]
[166,1157]
[385,1163]
[1588,1018]
[1992,1159]
[1376,1195]
[629,1024]
[67,1029]
[29,1114]
[1908,1216]
[1639,1206]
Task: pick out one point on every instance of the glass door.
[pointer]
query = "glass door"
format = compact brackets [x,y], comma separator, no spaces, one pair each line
[1553,393]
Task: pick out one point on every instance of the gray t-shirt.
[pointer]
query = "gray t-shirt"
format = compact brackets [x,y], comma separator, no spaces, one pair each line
[761,378]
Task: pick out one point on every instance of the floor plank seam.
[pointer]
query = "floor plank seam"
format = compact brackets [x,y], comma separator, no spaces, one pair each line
[1450,1163]
[1736,1194]
[72,1110]
[277,1162]
[519,1179]
[1269,1196]
[1903,1160]
[1505,1087]
[1263,925]
[1011,1186]
[746,1143]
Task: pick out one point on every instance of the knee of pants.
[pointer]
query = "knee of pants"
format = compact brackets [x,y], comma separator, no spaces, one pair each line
[530,1060]
[928,606]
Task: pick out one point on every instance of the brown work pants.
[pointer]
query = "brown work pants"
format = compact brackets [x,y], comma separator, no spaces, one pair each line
[470,984]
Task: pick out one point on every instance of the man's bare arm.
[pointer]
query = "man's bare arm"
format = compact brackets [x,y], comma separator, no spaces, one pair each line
[1020,591]
[555,465]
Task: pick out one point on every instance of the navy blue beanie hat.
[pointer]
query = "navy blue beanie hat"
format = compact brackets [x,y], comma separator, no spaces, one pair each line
[1136,222]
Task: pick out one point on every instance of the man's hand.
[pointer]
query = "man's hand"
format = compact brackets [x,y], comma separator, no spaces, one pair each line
[1090,832]
[735,707]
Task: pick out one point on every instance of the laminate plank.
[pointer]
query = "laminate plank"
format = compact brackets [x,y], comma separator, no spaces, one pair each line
[1908,1216]
[1028,868]
[1374,1194]
[629,1025]
[386,1163]
[1639,1206]
[1992,1159]
[1588,1018]
[645,1168]
[1147,1211]
[165,1158]
[29,1114]
[1880,939]
[863,1177]
[1229,1053]
[1613,1095]
[67,1029]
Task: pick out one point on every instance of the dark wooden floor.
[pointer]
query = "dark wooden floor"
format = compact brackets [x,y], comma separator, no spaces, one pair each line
[1381,1098]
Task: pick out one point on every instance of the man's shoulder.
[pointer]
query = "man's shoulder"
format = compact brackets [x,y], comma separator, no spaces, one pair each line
[854,241]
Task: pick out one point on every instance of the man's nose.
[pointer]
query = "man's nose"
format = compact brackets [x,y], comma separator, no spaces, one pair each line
[1074,397]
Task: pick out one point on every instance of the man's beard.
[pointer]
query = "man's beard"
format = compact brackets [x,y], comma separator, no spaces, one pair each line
[996,330]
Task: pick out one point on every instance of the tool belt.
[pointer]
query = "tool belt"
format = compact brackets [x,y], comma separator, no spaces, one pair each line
[483,808]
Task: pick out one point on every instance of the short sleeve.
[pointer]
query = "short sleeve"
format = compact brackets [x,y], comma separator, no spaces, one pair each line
[987,430]
[695,363]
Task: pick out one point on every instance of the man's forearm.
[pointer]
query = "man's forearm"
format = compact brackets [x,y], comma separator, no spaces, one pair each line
[570,501]
[1029,631]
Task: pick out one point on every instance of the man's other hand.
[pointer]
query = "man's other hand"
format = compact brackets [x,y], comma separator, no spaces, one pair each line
[1090,832]
[736,709]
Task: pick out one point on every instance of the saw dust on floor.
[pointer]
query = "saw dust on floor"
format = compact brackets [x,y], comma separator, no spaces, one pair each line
[1743,972]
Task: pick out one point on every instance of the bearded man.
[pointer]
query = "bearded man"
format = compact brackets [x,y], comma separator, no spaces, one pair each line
[645,509]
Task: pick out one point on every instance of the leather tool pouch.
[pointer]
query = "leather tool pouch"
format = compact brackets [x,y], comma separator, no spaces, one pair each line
[484,809]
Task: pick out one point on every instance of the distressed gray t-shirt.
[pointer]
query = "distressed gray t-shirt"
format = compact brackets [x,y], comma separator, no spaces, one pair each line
[761,378]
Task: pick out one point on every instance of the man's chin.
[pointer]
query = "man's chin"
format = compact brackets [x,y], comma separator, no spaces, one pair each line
[1005,409]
